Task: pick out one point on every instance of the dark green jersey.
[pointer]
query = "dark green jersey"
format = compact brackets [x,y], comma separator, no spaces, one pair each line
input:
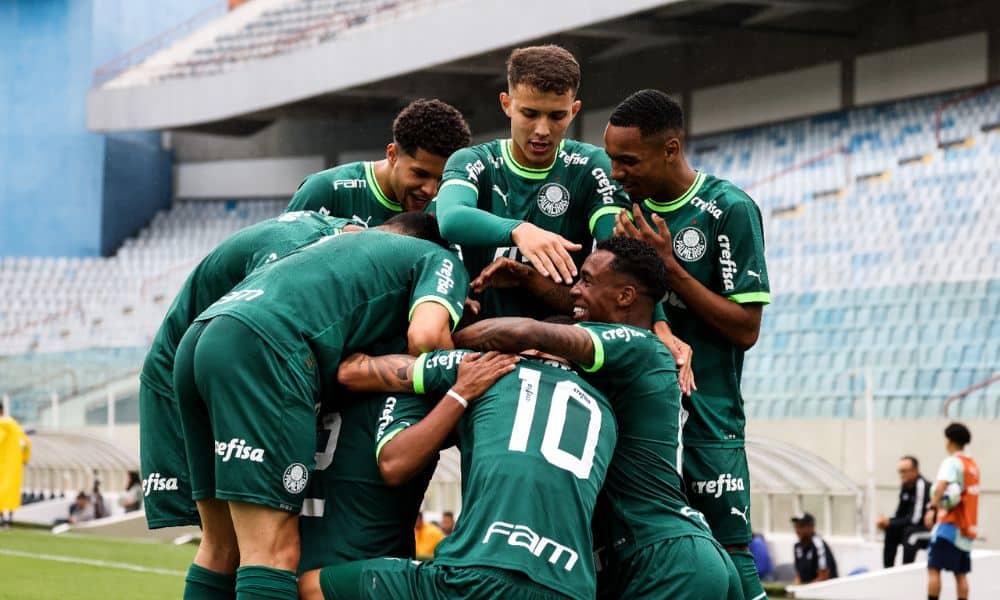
[349,191]
[350,513]
[343,294]
[535,450]
[222,270]
[718,238]
[575,197]
[644,486]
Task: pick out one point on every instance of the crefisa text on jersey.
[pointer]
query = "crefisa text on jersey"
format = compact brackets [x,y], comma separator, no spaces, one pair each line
[726,262]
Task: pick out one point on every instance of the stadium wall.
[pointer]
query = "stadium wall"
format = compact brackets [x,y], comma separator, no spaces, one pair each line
[63,190]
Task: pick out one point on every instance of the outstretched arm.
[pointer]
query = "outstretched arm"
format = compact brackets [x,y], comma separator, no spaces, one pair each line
[516,334]
[402,455]
[392,373]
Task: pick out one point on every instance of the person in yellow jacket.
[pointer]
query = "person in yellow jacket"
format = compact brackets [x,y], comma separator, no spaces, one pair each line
[15,449]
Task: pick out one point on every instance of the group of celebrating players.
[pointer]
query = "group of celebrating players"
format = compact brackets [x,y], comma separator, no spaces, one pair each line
[296,398]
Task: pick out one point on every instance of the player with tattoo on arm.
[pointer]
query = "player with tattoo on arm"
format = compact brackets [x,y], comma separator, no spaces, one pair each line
[709,234]
[535,449]
[424,135]
[251,370]
[659,546]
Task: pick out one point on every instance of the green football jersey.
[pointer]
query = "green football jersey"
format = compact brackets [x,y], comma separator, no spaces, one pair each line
[535,450]
[349,512]
[224,267]
[718,238]
[644,485]
[349,191]
[342,294]
[575,197]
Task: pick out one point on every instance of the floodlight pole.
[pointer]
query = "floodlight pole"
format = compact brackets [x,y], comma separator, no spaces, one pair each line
[870,452]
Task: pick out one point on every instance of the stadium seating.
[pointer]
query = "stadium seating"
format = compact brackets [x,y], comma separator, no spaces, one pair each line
[883,257]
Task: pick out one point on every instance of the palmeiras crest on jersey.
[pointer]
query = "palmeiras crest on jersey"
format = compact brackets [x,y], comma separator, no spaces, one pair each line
[295,478]
[689,244]
[553,199]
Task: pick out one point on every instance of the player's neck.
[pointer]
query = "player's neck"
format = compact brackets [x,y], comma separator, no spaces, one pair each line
[381,168]
[640,317]
[678,183]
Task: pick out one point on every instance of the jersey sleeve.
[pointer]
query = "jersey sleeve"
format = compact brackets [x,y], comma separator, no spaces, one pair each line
[951,470]
[440,277]
[435,372]
[314,193]
[398,413]
[458,213]
[741,271]
[616,348]
[606,198]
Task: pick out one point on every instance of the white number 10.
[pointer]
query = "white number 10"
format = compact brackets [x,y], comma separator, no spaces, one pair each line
[556,423]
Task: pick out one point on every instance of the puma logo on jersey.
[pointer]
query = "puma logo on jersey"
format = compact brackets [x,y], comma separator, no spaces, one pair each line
[725,483]
[621,333]
[238,449]
[743,514]
[726,262]
[751,273]
[360,222]
[444,274]
[157,483]
[708,207]
[604,186]
[350,184]
[386,419]
[521,536]
[502,195]
[674,300]
[573,159]
[473,170]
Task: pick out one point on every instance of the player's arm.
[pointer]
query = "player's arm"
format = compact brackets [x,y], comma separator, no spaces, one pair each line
[506,273]
[430,329]
[437,300]
[738,322]
[516,334]
[392,373]
[405,454]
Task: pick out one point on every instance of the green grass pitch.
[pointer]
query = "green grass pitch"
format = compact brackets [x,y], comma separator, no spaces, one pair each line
[36,565]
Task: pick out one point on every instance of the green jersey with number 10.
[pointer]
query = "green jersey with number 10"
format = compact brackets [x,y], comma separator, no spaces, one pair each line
[535,450]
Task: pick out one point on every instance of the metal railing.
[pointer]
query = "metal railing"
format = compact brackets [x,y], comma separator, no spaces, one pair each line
[962,394]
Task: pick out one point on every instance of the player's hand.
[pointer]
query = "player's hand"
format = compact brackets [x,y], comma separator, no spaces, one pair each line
[478,372]
[352,228]
[682,353]
[548,251]
[929,519]
[502,273]
[472,307]
[882,522]
[637,227]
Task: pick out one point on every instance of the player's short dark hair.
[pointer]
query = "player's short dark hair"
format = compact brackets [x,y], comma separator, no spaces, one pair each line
[547,68]
[652,111]
[958,434]
[447,513]
[638,260]
[913,461]
[435,126]
[417,224]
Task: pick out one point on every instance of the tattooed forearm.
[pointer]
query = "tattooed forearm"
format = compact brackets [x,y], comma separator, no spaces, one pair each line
[389,373]
[514,334]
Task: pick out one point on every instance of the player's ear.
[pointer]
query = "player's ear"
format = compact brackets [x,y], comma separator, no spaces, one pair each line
[575,108]
[672,147]
[391,153]
[505,103]
[626,295]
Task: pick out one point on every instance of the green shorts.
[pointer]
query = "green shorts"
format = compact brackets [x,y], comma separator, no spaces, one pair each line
[398,579]
[163,461]
[691,567]
[249,419]
[718,485]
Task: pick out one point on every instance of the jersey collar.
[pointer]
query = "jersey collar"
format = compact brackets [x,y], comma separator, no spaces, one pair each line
[526,172]
[686,197]
[377,189]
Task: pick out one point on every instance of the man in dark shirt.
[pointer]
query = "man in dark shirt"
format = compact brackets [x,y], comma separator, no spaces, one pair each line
[907,525]
[813,558]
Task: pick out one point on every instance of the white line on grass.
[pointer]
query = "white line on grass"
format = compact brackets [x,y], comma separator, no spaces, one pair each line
[92,562]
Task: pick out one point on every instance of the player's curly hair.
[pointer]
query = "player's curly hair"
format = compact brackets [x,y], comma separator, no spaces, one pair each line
[652,111]
[548,68]
[638,260]
[958,434]
[435,126]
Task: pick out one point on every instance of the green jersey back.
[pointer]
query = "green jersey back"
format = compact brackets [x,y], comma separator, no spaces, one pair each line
[644,486]
[342,294]
[718,238]
[535,450]
[224,267]
[349,191]
[350,513]
[570,198]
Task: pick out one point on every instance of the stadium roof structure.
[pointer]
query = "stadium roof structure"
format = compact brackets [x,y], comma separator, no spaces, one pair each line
[780,468]
[67,451]
[241,72]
